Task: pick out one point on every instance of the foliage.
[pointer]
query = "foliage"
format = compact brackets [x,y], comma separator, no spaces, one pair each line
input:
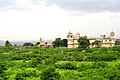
[64,43]
[69,65]
[2,68]
[8,44]
[97,43]
[19,77]
[28,44]
[117,42]
[58,42]
[83,42]
[34,63]
[50,74]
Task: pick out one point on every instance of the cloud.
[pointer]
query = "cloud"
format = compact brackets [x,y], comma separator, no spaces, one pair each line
[6,4]
[50,18]
[72,5]
[20,4]
[87,5]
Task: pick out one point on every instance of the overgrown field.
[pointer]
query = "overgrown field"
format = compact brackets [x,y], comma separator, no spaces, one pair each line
[36,63]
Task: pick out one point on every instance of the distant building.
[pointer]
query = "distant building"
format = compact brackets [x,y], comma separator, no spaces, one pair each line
[44,44]
[108,41]
[72,40]
[104,41]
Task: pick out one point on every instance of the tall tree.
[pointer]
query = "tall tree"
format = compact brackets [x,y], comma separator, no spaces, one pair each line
[57,42]
[28,44]
[117,42]
[83,42]
[97,43]
[64,42]
[7,43]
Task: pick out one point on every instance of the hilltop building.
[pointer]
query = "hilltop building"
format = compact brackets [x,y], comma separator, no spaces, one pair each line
[104,41]
[44,44]
[72,40]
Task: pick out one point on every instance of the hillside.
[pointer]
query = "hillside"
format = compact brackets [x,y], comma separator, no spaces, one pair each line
[36,63]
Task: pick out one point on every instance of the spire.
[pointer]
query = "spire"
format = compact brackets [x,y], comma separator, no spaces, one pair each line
[69,32]
[40,40]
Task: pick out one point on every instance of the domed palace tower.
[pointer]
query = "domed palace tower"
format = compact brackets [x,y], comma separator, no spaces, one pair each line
[112,34]
[112,38]
[76,37]
[70,40]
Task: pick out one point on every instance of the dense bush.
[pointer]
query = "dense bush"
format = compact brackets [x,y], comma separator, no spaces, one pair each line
[67,65]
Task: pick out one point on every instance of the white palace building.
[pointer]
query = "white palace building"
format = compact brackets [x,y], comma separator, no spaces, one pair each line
[106,41]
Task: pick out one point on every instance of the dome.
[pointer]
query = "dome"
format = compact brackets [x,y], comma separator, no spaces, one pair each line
[112,34]
[78,34]
[70,33]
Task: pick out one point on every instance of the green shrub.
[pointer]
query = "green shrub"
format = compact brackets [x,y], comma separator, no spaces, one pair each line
[19,77]
[50,74]
[67,65]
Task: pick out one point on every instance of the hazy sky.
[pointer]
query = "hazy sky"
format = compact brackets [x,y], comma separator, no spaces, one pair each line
[32,19]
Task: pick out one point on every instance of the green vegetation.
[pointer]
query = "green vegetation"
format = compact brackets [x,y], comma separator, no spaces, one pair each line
[97,43]
[8,44]
[59,43]
[37,63]
[117,42]
[83,42]
[28,44]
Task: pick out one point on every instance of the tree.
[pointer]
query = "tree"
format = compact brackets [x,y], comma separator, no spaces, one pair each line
[117,42]
[57,42]
[15,44]
[64,43]
[7,43]
[28,44]
[38,43]
[83,42]
[97,43]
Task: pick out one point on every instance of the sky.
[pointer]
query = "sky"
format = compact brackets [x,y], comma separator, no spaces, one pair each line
[50,19]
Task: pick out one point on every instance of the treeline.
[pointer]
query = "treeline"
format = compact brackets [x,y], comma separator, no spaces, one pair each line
[58,42]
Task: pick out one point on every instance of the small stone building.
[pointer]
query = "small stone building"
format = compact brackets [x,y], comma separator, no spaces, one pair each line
[44,44]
